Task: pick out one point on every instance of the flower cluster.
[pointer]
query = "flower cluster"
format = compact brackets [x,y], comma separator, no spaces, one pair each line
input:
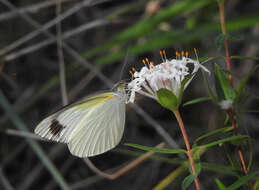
[169,75]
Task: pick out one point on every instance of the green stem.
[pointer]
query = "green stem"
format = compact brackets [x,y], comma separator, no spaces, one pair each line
[188,147]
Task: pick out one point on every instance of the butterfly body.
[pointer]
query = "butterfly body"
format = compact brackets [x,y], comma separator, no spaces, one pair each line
[89,127]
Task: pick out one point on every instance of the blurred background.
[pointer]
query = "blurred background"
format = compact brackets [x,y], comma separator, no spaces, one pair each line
[101,41]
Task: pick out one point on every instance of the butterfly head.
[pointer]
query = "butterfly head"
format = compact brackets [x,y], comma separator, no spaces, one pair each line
[119,86]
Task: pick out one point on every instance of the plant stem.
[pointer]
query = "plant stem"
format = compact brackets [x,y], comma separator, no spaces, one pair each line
[231,113]
[187,144]
[224,31]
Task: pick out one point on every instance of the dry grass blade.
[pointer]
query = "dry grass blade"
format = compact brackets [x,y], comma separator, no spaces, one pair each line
[6,184]
[62,75]
[44,27]
[66,35]
[30,9]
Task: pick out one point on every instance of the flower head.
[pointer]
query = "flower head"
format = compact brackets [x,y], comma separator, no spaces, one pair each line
[170,75]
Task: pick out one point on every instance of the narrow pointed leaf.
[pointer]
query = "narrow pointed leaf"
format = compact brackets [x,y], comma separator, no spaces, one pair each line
[158,150]
[220,40]
[188,181]
[221,130]
[243,180]
[221,141]
[197,100]
[223,87]
[171,177]
[220,185]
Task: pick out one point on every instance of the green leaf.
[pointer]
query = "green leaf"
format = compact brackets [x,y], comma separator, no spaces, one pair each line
[239,142]
[221,130]
[221,39]
[223,87]
[167,99]
[197,100]
[243,180]
[188,181]
[242,83]
[219,168]
[256,185]
[220,185]
[226,119]
[158,150]
[232,159]
[221,141]
[197,167]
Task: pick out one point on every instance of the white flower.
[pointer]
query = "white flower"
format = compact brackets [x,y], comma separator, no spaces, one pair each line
[169,75]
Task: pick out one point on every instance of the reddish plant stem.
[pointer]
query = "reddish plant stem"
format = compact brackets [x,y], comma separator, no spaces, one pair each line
[224,31]
[188,147]
[231,113]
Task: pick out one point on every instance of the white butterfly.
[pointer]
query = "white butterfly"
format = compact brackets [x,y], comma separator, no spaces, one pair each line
[89,127]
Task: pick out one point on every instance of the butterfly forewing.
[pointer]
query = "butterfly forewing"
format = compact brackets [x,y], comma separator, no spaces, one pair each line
[100,130]
[59,126]
[90,127]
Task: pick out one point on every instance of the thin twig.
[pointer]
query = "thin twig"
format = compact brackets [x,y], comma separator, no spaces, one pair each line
[91,180]
[42,28]
[123,170]
[62,75]
[23,134]
[30,9]
[80,86]
[65,36]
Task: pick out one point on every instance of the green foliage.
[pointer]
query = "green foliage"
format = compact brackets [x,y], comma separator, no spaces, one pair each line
[221,141]
[188,181]
[223,87]
[221,39]
[158,150]
[256,185]
[242,180]
[214,132]
[167,99]
[220,185]
[197,100]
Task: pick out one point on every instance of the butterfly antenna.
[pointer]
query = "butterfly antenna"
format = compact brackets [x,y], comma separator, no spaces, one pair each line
[124,64]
